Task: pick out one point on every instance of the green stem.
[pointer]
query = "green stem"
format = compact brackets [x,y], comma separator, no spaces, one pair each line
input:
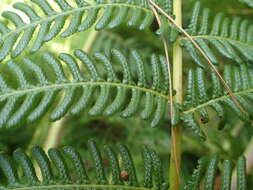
[176,131]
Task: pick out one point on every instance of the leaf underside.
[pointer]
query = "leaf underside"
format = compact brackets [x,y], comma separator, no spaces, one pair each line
[63,168]
[201,97]
[97,90]
[232,38]
[41,28]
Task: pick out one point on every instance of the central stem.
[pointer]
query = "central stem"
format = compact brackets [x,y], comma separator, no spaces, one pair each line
[176,131]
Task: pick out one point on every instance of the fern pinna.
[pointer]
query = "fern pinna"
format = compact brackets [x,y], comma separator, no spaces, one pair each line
[65,170]
[232,38]
[83,15]
[122,92]
[200,98]
[28,102]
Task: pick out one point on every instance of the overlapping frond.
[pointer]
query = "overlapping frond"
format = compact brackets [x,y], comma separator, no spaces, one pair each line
[200,95]
[106,14]
[71,173]
[208,170]
[232,38]
[107,40]
[100,92]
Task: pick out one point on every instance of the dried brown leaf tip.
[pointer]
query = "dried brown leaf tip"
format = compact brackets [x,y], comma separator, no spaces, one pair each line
[124,175]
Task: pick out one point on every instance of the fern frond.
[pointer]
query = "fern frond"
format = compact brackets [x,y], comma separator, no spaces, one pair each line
[199,97]
[207,169]
[232,38]
[128,92]
[102,14]
[71,173]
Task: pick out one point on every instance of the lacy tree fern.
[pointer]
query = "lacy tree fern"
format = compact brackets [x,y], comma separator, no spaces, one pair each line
[124,82]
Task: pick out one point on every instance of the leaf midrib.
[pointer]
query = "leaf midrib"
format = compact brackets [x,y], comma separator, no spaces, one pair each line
[212,101]
[66,186]
[65,85]
[59,14]
[156,93]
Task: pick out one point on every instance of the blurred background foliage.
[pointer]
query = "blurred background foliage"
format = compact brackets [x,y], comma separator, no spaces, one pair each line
[75,131]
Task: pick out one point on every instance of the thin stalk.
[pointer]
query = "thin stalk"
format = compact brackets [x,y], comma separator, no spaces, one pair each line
[166,50]
[176,131]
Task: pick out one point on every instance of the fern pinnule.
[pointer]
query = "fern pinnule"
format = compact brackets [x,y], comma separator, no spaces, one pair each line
[227,175]
[211,172]
[241,174]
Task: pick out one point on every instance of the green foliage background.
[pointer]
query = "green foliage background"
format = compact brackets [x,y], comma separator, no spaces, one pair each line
[135,132]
